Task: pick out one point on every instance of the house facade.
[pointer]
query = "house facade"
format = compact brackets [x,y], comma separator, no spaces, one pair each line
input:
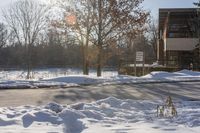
[178,37]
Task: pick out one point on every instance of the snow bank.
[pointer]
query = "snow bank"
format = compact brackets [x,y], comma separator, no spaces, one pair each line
[182,73]
[50,73]
[71,121]
[108,115]
[54,107]
[51,78]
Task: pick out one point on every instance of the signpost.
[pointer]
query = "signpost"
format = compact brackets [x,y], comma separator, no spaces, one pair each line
[140,56]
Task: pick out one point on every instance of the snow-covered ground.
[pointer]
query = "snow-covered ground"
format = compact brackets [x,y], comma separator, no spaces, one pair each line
[74,77]
[109,115]
[51,77]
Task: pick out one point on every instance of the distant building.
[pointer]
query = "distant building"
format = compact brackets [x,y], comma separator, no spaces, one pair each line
[178,39]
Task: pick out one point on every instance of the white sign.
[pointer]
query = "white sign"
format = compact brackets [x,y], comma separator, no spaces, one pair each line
[139,56]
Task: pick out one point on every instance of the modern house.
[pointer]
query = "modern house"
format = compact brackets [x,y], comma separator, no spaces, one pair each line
[178,37]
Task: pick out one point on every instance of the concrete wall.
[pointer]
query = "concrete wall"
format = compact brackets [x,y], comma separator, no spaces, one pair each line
[181,44]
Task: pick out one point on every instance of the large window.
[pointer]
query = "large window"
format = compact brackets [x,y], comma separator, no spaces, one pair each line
[181,26]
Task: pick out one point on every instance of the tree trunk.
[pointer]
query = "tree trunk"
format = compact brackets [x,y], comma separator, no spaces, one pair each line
[84,60]
[28,71]
[99,58]
[28,62]
[86,63]
[87,67]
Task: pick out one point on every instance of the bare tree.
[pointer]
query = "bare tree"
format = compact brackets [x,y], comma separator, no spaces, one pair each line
[113,19]
[153,35]
[3,35]
[99,22]
[84,26]
[26,18]
[79,21]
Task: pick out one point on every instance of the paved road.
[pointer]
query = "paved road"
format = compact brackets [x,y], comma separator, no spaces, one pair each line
[17,97]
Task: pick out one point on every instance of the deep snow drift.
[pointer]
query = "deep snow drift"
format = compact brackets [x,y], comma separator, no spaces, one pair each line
[74,77]
[109,115]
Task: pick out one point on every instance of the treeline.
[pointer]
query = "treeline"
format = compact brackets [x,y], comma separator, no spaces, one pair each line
[52,50]
[52,55]
[41,56]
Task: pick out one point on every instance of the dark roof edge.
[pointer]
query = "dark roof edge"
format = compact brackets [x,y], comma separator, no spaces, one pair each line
[177,9]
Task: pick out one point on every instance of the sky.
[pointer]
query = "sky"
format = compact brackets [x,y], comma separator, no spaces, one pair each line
[151,5]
